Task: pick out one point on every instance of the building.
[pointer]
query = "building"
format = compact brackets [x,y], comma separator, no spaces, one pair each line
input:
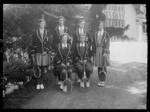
[120,15]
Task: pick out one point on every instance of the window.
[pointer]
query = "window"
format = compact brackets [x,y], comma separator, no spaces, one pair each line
[109,13]
[113,15]
[105,22]
[110,6]
[106,14]
[110,22]
[122,8]
[118,8]
[144,28]
[123,22]
[120,23]
[113,23]
[123,16]
[117,22]
[119,16]
[115,7]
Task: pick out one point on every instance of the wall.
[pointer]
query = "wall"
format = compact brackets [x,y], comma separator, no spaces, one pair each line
[130,18]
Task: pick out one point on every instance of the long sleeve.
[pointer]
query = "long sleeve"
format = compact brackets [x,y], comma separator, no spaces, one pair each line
[57,58]
[48,43]
[33,44]
[75,56]
[107,45]
[94,45]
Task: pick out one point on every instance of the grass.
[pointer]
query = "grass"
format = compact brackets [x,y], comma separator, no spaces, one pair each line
[24,94]
[122,52]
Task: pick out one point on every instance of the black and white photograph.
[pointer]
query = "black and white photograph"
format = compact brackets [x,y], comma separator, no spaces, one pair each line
[74,56]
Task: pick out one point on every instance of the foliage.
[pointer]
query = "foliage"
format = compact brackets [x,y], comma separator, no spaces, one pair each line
[119,32]
[20,20]
[14,70]
[97,14]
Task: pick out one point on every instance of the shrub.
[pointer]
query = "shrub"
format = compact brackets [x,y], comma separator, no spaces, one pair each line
[15,70]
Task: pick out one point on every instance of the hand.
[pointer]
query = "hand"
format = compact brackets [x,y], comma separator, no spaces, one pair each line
[68,64]
[91,48]
[104,54]
[33,57]
[80,61]
[44,52]
[50,52]
[62,64]
[85,61]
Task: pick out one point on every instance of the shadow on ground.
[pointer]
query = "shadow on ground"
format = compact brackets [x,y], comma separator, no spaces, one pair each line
[126,88]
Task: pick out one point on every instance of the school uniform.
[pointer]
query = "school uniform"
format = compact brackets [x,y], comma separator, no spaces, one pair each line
[100,46]
[41,42]
[83,52]
[64,55]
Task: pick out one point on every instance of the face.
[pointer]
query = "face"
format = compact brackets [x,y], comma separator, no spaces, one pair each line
[101,26]
[82,24]
[42,25]
[61,22]
[82,39]
[64,39]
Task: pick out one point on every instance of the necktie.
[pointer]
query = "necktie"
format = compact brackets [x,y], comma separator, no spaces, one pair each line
[81,31]
[64,45]
[82,44]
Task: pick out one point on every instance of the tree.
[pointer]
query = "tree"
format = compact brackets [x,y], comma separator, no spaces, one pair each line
[97,14]
[20,20]
[119,32]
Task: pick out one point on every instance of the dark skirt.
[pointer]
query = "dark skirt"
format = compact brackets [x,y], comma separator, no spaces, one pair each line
[80,69]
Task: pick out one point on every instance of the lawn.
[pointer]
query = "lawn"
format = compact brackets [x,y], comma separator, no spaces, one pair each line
[124,53]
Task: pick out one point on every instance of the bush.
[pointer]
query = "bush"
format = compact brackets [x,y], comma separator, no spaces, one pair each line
[15,70]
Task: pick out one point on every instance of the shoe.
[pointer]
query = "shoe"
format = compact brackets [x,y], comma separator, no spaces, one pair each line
[65,89]
[42,86]
[99,84]
[61,86]
[87,84]
[38,86]
[82,84]
[103,84]
[59,82]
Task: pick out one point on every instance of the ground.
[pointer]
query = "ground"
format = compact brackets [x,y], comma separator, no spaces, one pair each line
[126,85]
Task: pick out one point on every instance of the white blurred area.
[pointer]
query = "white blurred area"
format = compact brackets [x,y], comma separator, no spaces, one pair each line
[125,52]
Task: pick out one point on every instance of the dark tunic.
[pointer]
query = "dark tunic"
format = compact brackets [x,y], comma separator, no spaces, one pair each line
[39,45]
[64,56]
[83,53]
[101,46]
